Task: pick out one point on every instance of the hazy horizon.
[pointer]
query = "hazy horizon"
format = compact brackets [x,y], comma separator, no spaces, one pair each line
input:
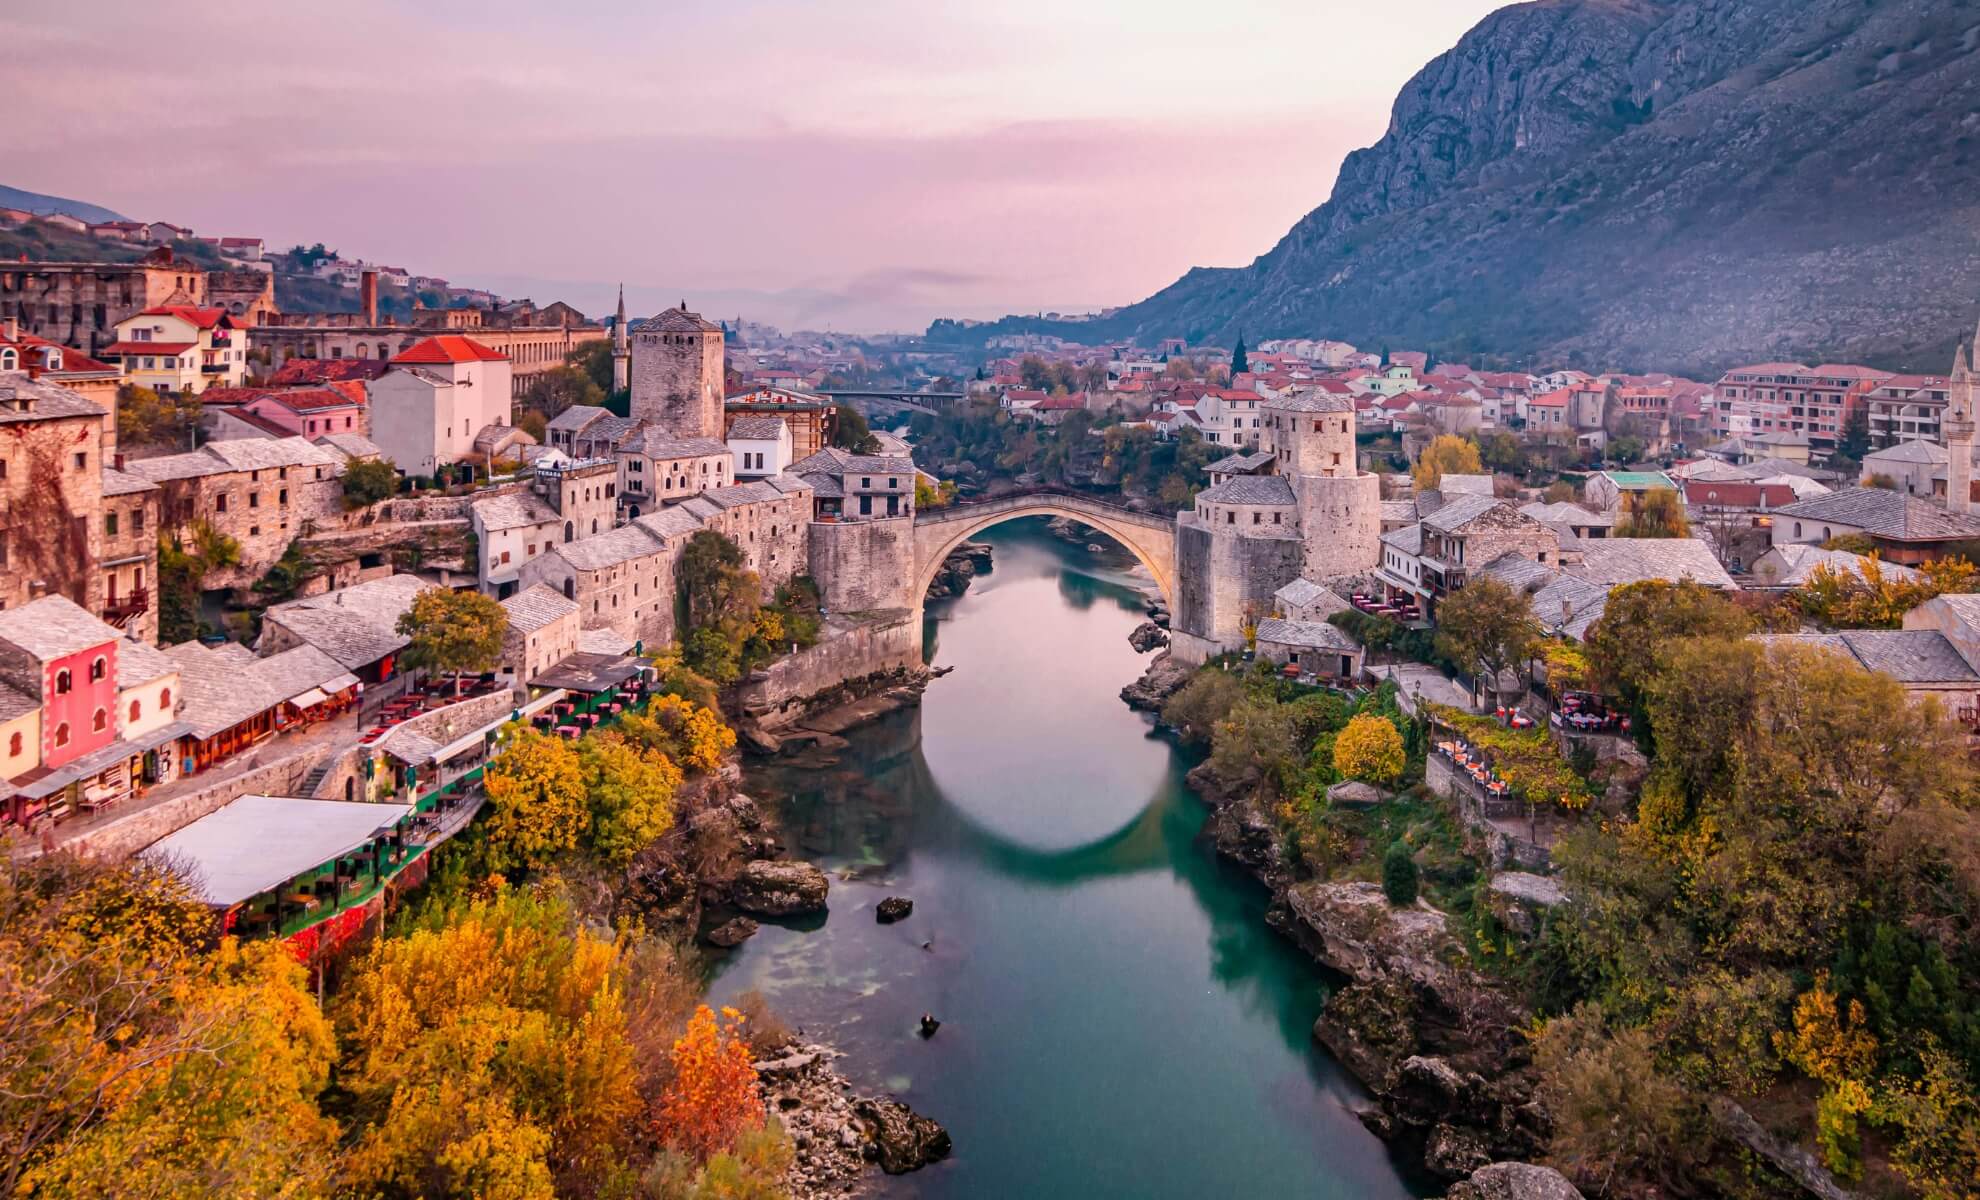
[863,170]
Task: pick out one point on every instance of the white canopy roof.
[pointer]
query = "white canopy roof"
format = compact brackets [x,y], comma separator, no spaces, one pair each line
[258,842]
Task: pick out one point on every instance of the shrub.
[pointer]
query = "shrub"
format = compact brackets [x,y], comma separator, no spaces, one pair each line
[1399,881]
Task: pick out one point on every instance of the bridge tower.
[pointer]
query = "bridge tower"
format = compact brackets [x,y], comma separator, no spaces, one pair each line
[1340,505]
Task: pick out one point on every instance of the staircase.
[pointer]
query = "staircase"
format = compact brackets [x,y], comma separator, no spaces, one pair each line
[313,780]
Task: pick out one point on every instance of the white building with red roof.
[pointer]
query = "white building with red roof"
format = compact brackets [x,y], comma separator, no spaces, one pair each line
[436,398]
[180,348]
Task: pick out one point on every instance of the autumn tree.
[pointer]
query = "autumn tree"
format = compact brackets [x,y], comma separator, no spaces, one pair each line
[681,730]
[1653,513]
[147,418]
[1446,454]
[489,1055]
[1641,618]
[712,1097]
[1369,749]
[454,631]
[1488,628]
[630,792]
[369,480]
[536,789]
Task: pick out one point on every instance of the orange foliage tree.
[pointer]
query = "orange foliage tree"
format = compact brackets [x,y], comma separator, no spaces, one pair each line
[713,1096]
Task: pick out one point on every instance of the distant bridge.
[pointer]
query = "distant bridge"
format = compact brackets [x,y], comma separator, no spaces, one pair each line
[1149,537]
[871,402]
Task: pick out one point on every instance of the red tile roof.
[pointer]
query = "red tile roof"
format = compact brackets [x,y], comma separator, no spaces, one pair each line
[447,348]
[323,370]
[1736,494]
[165,348]
[35,351]
[199,318]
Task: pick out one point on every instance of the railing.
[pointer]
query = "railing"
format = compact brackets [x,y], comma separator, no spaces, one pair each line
[120,609]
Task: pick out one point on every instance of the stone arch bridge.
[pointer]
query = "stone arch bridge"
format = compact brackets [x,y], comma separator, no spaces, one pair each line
[1149,537]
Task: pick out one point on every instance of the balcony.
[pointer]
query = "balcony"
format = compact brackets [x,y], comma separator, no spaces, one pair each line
[119,611]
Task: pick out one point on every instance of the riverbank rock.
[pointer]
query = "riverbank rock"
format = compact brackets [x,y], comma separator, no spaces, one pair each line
[731,933]
[1163,678]
[1520,899]
[780,889]
[1354,929]
[810,1099]
[902,1140]
[1147,636]
[963,564]
[1514,1181]
[892,909]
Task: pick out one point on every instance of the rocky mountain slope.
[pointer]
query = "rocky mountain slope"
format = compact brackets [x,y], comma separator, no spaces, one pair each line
[1656,183]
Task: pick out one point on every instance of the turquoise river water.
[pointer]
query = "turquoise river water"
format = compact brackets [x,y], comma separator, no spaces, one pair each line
[1117,1019]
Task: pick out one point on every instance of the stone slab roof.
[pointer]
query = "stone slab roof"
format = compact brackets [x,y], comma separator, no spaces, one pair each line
[52,627]
[1886,514]
[1906,655]
[835,461]
[357,625]
[609,549]
[513,510]
[575,418]
[1408,539]
[123,483]
[536,606]
[1250,489]
[654,442]
[1315,634]
[1454,484]
[1567,513]
[140,663]
[756,429]
[1301,593]
[1916,450]
[676,320]
[1240,464]
[45,400]
[1612,562]
[15,703]
[1315,401]
[351,446]
[220,693]
[1458,511]
[1793,564]
[237,454]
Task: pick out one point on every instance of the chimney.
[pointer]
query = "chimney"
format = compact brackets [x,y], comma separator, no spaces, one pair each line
[118,462]
[368,296]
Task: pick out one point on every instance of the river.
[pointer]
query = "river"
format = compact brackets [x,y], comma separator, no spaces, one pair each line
[1117,1019]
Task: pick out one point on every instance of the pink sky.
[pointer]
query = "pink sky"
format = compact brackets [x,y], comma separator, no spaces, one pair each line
[866,166]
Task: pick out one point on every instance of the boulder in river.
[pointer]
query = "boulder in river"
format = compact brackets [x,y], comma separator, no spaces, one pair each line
[1147,636]
[892,909]
[731,933]
[1163,678]
[902,1139]
[1514,1181]
[780,889]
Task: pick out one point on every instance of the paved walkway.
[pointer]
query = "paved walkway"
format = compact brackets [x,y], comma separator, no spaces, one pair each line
[1415,680]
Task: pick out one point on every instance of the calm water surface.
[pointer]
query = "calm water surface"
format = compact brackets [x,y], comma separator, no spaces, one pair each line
[1117,1020]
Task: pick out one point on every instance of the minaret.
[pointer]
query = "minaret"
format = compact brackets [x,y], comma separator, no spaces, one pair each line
[1958,430]
[621,348]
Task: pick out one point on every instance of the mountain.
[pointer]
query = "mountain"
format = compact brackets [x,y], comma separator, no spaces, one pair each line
[35,202]
[1677,184]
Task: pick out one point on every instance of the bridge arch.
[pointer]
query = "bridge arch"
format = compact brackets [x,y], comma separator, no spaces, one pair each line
[1150,538]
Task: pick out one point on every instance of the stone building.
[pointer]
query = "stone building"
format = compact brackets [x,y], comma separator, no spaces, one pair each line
[52,362]
[677,374]
[262,492]
[657,468]
[51,494]
[760,446]
[129,553]
[563,502]
[79,304]
[543,631]
[529,348]
[248,296]
[1301,508]
[858,487]
[441,394]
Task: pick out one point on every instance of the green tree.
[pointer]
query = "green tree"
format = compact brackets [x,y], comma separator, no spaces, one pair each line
[850,431]
[147,418]
[559,388]
[1488,628]
[1399,875]
[368,481]
[1640,619]
[1854,441]
[1446,454]
[454,631]
[1240,361]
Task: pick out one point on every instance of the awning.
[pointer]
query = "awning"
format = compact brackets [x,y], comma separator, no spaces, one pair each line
[121,751]
[589,673]
[310,698]
[258,842]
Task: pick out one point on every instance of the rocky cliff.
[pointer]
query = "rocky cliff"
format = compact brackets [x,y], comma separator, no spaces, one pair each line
[1649,183]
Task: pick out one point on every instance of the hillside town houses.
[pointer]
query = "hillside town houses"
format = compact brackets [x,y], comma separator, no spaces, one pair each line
[257,532]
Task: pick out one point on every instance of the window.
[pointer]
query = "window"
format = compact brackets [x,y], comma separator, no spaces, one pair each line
[137,517]
[62,734]
[14,745]
[99,722]
[137,710]
[220,502]
[82,460]
[63,682]
[98,667]
[164,699]
[110,524]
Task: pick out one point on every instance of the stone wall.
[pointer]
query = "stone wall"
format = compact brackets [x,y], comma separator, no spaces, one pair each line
[1223,578]
[128,834]
[851,648]
[864,565]
[1341,521]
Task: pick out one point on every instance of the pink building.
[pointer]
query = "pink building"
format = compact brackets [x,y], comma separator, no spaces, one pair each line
[55,652]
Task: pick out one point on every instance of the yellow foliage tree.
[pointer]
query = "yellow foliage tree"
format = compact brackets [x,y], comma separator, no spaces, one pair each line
[490,1055]
[1446,454]
[682,730]
[631,794]
[712,1097]
[536,790]
[1369,749]
[1653,513]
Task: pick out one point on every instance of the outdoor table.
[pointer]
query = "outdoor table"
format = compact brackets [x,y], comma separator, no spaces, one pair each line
[568,730]
[306,901]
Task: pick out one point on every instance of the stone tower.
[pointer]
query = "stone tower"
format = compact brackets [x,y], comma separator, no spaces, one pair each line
[621,348]
[677,374]
[1961,395]
[1339,505]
